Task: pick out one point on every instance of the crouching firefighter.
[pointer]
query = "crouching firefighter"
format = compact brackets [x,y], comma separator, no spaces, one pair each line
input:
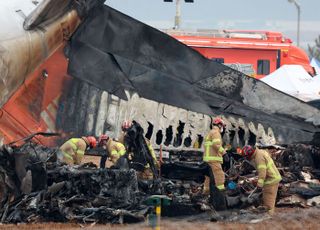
[114,150]
[268,175]
[213,155]
[72,151]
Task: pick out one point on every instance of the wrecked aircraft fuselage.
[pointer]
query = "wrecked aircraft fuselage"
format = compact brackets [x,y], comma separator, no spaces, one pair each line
[161,69]
[168,88]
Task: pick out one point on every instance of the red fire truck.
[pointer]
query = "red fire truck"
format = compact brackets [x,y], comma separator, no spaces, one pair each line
[266,51]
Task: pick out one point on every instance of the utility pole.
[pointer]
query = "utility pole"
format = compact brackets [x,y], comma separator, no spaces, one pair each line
[177,18]
[298,23]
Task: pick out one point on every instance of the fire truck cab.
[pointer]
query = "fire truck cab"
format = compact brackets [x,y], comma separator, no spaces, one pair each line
[266,51]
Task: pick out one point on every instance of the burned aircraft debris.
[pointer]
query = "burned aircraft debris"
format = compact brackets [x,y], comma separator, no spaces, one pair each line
[136,144]
[159,68]
[64,193]
[35,188]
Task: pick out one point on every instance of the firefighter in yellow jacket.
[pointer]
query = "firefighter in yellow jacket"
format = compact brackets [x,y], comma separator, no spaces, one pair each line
[146,174]
[268,175]
[213,154]
[114,148]
[72,151]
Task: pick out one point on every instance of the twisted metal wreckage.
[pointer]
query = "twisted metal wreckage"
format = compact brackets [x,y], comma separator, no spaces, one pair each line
[116,53]
[35,187]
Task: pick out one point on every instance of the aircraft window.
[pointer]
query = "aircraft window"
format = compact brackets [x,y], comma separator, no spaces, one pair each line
[219,60]
[263,67]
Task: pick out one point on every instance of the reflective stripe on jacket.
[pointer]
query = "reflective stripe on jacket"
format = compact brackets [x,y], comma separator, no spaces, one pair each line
[155,161]
[267,170]
[73,150]
[213,150]
[115,149]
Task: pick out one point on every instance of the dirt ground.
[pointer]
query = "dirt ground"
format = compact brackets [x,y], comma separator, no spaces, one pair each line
[285,218]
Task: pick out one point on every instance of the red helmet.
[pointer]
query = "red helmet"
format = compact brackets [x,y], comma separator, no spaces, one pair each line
[92,141]
[218,121]
[247,151]
[126,125]
[102,138]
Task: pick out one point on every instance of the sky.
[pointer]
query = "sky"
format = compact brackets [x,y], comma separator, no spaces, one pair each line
[273,15]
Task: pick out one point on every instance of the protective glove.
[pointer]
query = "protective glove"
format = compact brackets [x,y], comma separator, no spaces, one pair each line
[226,158]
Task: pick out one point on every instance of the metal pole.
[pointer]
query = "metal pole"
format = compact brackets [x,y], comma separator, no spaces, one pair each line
[178,15]
[298,23]
[160,161]
[158,213]
[298,29]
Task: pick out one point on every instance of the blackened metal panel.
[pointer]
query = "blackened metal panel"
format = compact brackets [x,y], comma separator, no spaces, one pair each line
[113,51]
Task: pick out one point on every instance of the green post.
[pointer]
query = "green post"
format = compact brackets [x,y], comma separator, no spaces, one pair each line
[156,201]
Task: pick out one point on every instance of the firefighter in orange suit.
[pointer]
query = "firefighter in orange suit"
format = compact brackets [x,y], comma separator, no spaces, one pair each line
[114,148]
[268,175]
[72,151]
[213,154]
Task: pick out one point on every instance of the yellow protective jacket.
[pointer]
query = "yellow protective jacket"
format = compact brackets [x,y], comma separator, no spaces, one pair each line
[267,171]
[115,149]
[155,161]
[73,150]
[213,150]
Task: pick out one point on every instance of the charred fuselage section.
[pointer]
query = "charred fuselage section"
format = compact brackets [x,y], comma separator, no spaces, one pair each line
[115,53]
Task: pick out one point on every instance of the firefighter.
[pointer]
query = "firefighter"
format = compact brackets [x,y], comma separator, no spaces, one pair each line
[146,174]
[114,148]
[72,151]
[268,175]
[213,154]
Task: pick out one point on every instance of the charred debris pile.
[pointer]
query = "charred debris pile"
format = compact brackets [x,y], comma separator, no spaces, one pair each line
[34,188]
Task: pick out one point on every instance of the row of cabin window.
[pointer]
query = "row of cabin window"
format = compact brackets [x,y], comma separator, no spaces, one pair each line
[263,65]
